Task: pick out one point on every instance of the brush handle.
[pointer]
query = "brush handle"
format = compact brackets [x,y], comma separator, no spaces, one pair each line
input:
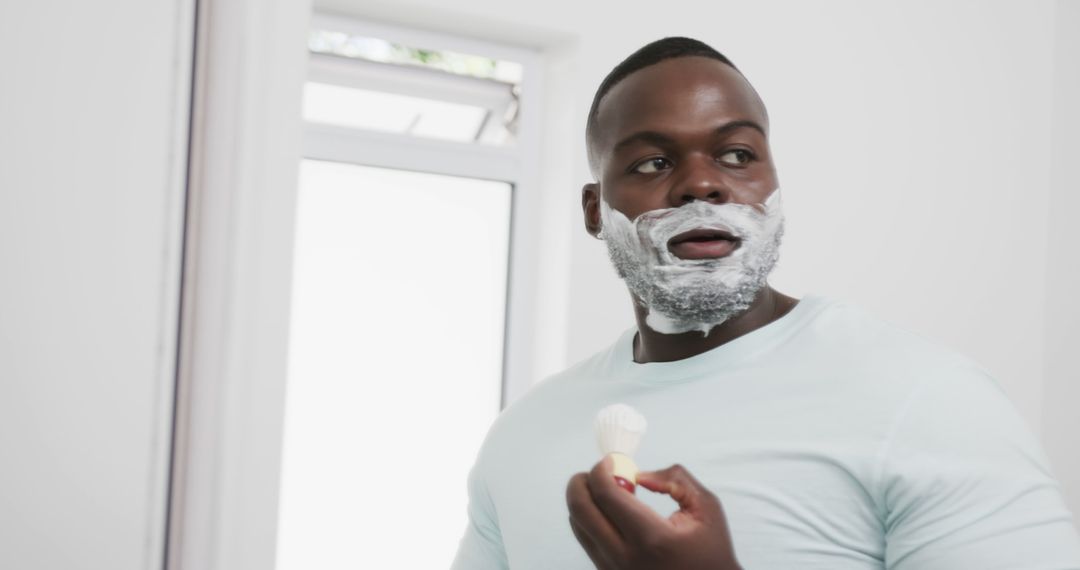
[625,471]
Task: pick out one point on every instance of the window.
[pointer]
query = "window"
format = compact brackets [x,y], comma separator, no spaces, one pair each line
[370,83]
[412,162]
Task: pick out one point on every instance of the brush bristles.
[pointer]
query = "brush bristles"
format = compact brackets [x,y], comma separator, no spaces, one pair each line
[619,429]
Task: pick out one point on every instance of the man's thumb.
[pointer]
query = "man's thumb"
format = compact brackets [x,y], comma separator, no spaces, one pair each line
[677,482]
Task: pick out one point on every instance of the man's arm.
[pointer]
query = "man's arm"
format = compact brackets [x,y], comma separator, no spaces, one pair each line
[481,547]
[963,483]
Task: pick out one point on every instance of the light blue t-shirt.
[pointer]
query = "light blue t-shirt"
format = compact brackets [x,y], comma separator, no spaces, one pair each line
[833,440]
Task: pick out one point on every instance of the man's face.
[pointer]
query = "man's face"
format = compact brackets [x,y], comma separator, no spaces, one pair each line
[686,194]
[684,129]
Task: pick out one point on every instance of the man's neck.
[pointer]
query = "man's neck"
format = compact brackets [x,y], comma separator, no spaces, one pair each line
[651,346]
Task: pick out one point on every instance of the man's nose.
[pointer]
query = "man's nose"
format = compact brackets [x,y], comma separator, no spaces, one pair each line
[701,180]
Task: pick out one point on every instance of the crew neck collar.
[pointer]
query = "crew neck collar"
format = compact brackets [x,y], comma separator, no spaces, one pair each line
[728,355]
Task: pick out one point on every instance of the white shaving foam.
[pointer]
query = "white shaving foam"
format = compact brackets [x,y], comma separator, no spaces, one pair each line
[684,295]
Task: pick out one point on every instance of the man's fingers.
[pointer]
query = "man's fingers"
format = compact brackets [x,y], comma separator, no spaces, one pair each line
[588,520]
[634,519]
[676,481]
[587,543]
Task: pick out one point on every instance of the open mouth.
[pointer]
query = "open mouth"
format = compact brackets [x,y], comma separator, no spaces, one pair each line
[703,244]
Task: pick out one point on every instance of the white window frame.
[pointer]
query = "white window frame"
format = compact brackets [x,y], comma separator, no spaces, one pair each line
[246,142]
[517,164]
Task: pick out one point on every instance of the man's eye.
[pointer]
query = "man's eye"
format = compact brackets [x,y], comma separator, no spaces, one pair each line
[652,165]
[737,157]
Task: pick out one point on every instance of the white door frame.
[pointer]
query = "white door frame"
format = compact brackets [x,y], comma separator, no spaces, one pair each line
[250,62]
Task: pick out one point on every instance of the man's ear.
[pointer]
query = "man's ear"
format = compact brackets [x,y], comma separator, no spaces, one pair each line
[590,207]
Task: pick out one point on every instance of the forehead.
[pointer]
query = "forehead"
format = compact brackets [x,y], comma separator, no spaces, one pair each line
[683,94]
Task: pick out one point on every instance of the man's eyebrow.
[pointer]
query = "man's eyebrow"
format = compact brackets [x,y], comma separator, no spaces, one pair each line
[650,137]
[660,139]
[740,124]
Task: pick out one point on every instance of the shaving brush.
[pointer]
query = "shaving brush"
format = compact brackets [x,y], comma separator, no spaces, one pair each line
[619,429]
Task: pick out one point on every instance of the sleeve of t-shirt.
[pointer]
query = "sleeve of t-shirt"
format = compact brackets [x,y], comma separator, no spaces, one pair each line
[964,484]
[481,547]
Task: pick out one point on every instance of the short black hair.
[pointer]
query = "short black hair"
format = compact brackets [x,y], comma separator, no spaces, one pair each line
[650,54]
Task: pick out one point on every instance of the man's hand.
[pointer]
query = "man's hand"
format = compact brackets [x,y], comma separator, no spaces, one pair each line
[619,532]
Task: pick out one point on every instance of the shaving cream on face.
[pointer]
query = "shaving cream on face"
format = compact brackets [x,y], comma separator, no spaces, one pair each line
[684,295]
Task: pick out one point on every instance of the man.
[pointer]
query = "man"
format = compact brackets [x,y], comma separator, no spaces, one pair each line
[813,435]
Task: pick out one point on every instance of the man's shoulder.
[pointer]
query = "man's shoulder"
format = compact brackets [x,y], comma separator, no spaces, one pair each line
[863,333]
[546,399]
[864,356]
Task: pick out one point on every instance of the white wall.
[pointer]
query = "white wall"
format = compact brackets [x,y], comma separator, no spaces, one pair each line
[93,117]
[913,142]
[1061,394]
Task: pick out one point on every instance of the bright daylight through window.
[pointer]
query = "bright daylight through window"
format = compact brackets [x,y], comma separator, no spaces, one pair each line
[399,89]
[399,298]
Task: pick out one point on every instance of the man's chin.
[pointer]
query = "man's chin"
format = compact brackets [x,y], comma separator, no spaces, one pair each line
[680,315]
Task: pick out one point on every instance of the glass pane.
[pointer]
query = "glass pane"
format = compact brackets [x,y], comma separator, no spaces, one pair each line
[395,363]
[382,51]
[390,112]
